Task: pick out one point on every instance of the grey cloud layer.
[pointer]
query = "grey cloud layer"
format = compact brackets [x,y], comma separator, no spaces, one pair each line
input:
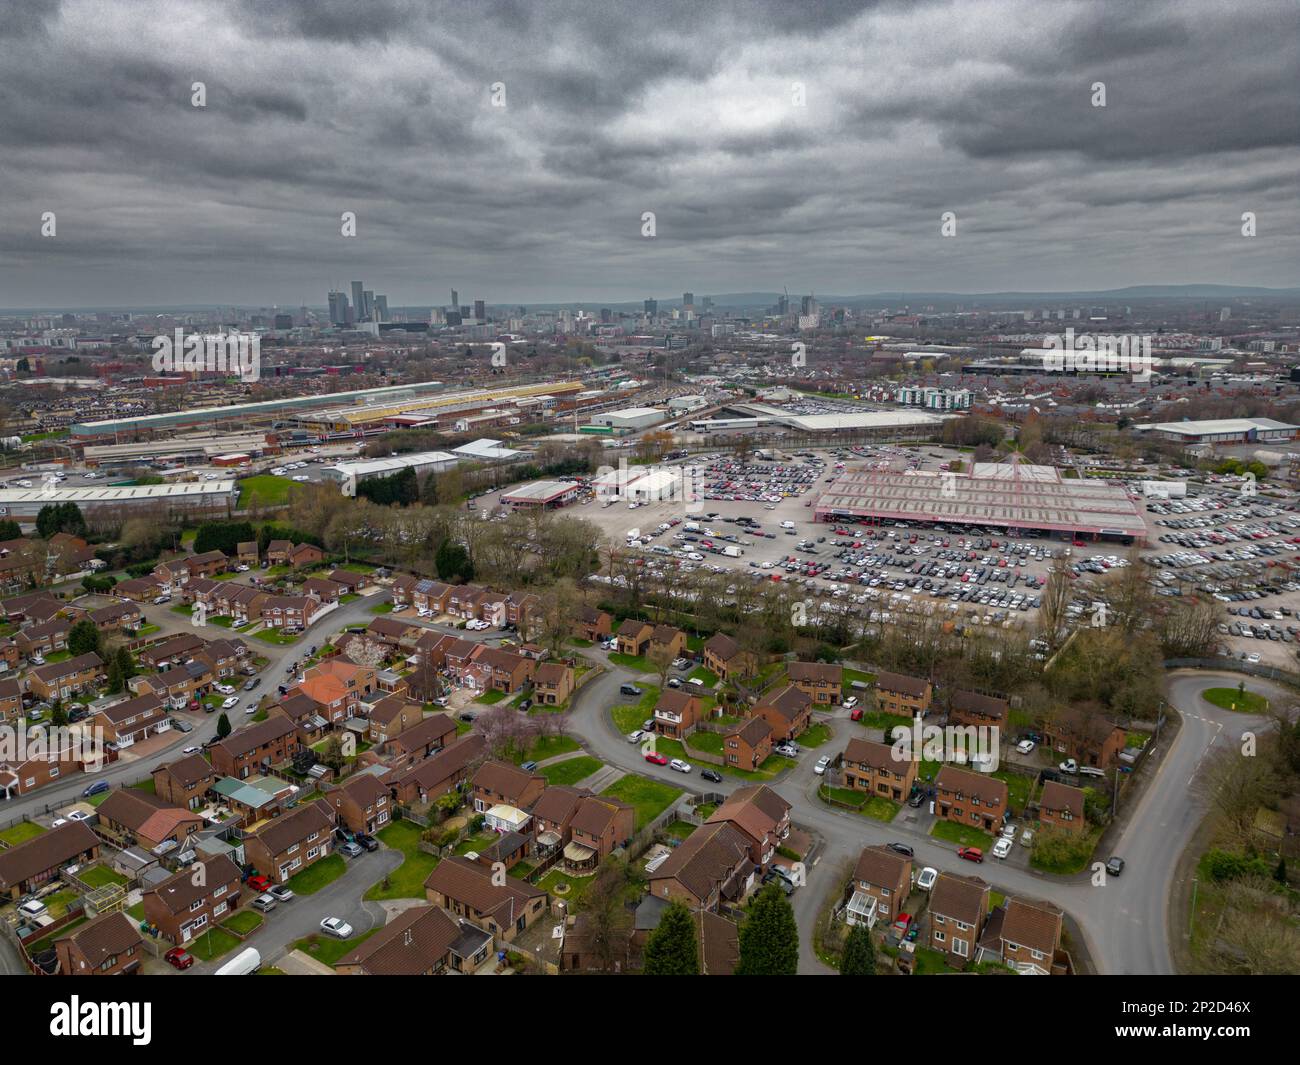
[687,110]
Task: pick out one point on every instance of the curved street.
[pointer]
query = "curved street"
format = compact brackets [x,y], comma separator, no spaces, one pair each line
[1124,921]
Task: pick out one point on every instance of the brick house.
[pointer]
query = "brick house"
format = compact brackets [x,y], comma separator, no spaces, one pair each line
[184,782]
[430,778]
[634,637]
[62,680]
[420,941]
[598,826]
[873,767]
[207,564]
[882,880]
[391,715]
[592,624]
[132,720]
[725,657]
[246,553]
[11,700]
[552,683]
[972,708]
[502,784]
[1061,806]
[959,907]
[788,712]
[425,738]
[472,893]
[322,590]
[109,945]
[1086,736]
[1024,934]
[255,748]
[139,589]
[822,682]
[291,613]
[676,713]
[897,693]
[760,815]
[131,817]
[710,865]
[117,616]
[26,866]
[361,802]
[747,743]
[973,799]
[507,672]
[170,650]
[292,842]
[185,906]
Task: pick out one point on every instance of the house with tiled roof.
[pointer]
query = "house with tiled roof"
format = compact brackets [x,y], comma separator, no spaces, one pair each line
[292,842]
[903,695]
[109,945]
[760,815]
[976,800]
[500,905]
[788,711]
[134,818]
[711,865]
[959,908]
[974,708]
[748,743]
[26,866]
[430,778]
[882,880]
[1025,934]
[420,941]
[186,905]
[1062,806]
[724,656]
[361,803]
[875,767]
[822,682]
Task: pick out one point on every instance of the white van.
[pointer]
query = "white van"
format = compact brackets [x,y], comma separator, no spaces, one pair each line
[245,963]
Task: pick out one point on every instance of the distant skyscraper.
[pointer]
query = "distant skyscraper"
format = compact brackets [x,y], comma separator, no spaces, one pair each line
[652,307]
[455,300]
[381,308]
[358,300]
[688,299]
[338,308]
[783,306]
[480,310]
[368,312]
[1225,314]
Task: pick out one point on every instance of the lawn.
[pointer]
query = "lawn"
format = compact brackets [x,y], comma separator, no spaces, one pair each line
[264,490]
[548,747]
[962,835]
[710,680]
[59,901]
[275,636]
[98,876]
[1018,786]
[679,829]
[708,742]
[814,736]
[1244,702]
[407,880]
[491,698]
[317,876]
[243,923]
[569,888]
[650,797]
[476,844]
[639,665]
[629,716]
[879,808]
[847,796]
[570,771]
[382,608]
[885,722]
[848,676]
[21,832]
[328,949]
[212,944]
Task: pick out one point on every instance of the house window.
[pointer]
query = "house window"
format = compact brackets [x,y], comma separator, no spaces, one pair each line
[938,937]
[220,891]
[219,909]
[960,947]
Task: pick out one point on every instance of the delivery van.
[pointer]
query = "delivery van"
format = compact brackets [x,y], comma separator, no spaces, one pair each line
[245,963]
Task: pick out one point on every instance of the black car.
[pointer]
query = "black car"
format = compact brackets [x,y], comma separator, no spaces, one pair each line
[1114,865]
[249,685]
[629,689]
[711,775]
[467,717]
[369,842]
[915,801]
[901,848]
[343,835]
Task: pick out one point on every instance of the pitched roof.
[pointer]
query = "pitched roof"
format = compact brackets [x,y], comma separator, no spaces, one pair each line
[982,705]
[1058,796]
[789,702]
[47,851]
[881,867]
[504,778]
[179,891]
[753,730]
[283,832]
[433,729]
[989,790]
[705,860]
[723,646]
[595,813]
[250,737]
[442,766]
[756,810]
[188,771]
[415,941]
[816,672]
[963,898]
[902,683]
[1032,923]
[104,937]
[473,885]
[873,754]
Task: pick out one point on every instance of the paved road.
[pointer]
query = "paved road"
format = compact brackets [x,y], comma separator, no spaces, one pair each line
[1122,921]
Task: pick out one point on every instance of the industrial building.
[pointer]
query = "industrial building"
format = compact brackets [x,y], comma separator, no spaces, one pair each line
[196,449]
[548,495]
[199,498]
[639,484]
[347,475]
[360,416]
[1222,431]
[1003,496]
[630,418]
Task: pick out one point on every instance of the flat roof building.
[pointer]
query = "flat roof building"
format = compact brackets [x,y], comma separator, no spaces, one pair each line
[1222,430]
[216,498]
[999,496]
[548,494]
[348,474]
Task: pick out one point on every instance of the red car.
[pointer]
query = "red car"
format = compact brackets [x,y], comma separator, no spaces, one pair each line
[971,854]
[178,958]
[259,883]
[655,758]
[856,715]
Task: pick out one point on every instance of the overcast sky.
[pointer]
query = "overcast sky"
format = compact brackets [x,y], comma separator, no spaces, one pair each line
[677,107]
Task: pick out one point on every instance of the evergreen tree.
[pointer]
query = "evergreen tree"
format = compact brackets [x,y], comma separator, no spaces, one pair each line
[672,949]
[125,663]
[1279,874]
[223,726]
[453,561]
[9,529]
[116,682]
[769,938]
[84,637]
[859,953]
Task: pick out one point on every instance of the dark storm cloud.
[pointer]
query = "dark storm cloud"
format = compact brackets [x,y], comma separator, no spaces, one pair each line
[811,145]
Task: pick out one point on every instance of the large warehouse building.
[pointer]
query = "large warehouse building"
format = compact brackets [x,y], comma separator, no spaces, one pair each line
[199,498]
[1222,431]
[999,496]
[348,474]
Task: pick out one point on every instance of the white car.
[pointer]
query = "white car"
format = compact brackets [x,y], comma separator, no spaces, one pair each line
[1002,848]
[680,766]
[32,909]
[301,477]
[927,878]
[635,736]
[850,702]
[1069,766]
[191,750]
[335,927]
[1025,747]
[1008,831]
[822,763]
[78,815]
[229,703]
[225,689]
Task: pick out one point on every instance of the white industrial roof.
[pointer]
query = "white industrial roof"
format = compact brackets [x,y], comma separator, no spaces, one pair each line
[485,449]
[1213,426]
[370,467]
[634,412]
[540,490]
[104,494]
[872,420]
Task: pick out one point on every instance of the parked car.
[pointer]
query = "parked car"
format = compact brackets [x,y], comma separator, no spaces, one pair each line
[856,715]
[32,909]
[1002,848]
[629,689]
[1026,837]
[178,723]
[925,881]
[528,767]
[179,958]
[850,702]
[655,758]
[916,799]
[901,848]
[335,926]
[1114,865]
[971,854]
[279,892]
[342,835]
[97,788]
[264,903]
[259,883]
[711,775]
[680,766]
[636,736]
[1069,766]
[822,763]
[351,850]
[1025,747]
[368,842]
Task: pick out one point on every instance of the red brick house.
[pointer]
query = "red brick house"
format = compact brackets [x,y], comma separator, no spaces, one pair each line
[959,908]
[747,743]
[110,945]
[186,905]
[822,682]
[361,802]
[788,712]
[292,842]
[724,656]
[676,713]
[897,693]
[1062,806]
[882,880]
[976,800]
[873,767]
